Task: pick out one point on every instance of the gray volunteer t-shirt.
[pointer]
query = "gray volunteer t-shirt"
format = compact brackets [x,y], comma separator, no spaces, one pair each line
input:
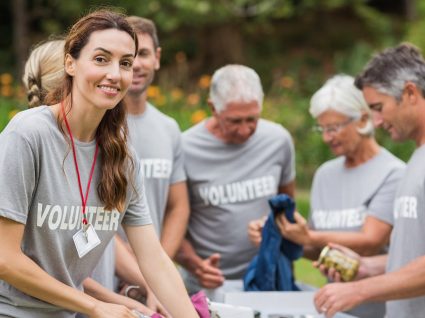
[341,198]
[156,139]
[39,188]
[229,186]
[407,237]
[104,272]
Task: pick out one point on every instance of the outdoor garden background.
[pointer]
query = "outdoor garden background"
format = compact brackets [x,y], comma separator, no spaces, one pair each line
[295,45]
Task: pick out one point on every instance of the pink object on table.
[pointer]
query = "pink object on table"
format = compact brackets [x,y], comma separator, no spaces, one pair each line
[199,301]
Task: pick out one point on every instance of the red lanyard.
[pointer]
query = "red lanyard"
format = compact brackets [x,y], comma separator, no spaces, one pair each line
[83,198]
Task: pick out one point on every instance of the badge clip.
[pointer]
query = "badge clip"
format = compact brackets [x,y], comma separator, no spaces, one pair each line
[86,239]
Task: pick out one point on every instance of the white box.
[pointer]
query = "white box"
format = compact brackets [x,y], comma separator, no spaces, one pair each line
[230,311]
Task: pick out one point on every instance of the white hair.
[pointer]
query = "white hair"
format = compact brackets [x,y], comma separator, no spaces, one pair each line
[235,83]
[340,94]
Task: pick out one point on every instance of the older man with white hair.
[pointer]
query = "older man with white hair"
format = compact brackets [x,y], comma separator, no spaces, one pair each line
[235,161]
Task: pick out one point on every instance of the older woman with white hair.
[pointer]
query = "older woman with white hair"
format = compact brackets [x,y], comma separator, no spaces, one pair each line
[352,195]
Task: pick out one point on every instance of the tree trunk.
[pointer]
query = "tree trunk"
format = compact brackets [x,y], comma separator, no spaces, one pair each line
[20,38]
[219,45]
[410,9]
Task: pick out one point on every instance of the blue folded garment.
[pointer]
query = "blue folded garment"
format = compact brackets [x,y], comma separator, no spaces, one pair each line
[271,268]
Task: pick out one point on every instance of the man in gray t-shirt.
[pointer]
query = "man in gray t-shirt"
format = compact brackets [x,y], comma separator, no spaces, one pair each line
[234,162]
[393,85]
[156,138]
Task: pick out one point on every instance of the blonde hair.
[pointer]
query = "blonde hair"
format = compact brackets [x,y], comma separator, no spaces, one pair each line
[44,71]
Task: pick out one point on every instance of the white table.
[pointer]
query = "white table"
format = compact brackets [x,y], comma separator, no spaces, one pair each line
[285,304]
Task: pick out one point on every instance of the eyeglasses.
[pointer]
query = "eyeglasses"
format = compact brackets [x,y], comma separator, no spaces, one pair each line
[237,121]
[332,129]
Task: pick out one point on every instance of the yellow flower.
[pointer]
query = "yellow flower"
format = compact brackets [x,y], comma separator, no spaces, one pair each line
[176,94]
[6,91]
[6,79]
[12,113]
[287,82]
[153,91]
[198,116]
[204,82]
[193,99]
[160,100]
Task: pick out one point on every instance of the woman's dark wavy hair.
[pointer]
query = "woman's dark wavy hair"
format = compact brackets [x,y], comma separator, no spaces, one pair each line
[111,134]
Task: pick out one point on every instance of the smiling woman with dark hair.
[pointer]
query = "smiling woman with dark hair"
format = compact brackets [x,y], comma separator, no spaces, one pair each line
[69,179]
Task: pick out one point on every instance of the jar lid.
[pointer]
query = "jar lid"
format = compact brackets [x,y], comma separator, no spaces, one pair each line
[323,254]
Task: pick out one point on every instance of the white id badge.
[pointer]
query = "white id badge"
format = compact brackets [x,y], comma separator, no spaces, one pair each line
[86,241]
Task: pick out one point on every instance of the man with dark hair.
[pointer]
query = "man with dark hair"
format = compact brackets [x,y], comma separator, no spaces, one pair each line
[156,139]
[393,84]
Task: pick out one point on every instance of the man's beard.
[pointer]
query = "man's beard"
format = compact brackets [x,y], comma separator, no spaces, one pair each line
[137,92]
[142,90]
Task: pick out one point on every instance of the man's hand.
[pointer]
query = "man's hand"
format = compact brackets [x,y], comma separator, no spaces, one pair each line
[255,229]
[208,273]
[337,297]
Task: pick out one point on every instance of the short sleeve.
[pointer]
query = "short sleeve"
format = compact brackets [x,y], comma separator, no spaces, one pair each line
[382,204]
[313,199]
[18,170]
[137,212]
[178,173]
[288,169]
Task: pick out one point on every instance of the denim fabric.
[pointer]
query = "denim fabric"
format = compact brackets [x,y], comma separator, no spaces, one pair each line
[271,269]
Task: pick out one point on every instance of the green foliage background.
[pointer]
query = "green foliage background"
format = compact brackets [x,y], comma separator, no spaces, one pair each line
[294,46]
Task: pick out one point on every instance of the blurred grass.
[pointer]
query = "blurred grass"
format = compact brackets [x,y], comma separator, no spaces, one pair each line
[7,110]
[306,273]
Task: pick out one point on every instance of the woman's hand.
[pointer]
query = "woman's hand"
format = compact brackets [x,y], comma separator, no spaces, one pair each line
[296,232]
[153,303]
[106,310]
